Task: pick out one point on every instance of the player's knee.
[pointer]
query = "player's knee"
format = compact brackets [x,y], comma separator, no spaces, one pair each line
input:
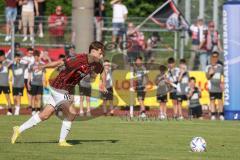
[44,116]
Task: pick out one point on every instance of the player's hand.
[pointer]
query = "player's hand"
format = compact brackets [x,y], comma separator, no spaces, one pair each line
[211,71]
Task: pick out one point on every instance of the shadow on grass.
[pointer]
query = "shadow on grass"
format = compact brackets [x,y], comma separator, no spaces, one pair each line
[73,141]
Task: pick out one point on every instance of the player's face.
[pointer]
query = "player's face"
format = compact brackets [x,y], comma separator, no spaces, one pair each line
[192,83]
[214,59]
[17,59]
[97,54]
[2,58]
[171,65]
[182,66]
[138,62]
[30,53]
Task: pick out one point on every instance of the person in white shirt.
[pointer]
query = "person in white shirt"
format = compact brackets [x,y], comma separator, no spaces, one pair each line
[28,59]
[28,17]
[197,31]
[119,17]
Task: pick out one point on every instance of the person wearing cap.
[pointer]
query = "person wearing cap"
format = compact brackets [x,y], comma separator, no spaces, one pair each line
[120,12]
[210,44]
[197,31]
[18,68]
[4,79]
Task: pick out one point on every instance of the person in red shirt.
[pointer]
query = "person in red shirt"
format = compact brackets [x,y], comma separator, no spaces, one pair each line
[71,71]
[57,23]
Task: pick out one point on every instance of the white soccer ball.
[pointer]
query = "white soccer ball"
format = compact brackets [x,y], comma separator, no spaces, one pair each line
[198,144]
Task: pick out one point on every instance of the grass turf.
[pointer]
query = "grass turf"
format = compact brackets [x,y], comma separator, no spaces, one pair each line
[113,138]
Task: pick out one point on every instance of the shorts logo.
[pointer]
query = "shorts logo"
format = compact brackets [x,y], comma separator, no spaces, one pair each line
[67,96]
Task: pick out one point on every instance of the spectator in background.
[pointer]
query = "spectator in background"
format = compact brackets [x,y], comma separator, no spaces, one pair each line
[4,79]
[57,23]
[172,76]
[194,94]
[214,74]
[18,70]
[36,81]
[28,17]
[28,59]
[197,32]
[183,79]
[16,50]
[40,18]
[44,57]
[151,44]
[137,42]
[162,91]
[99,13]
[19,18]
[108,96]
[11,14]
[210,44]
[140,72]
[119,17]
[85,89]
[70,50]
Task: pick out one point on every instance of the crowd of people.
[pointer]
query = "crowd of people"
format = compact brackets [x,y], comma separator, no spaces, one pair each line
[24,13]
[171,80]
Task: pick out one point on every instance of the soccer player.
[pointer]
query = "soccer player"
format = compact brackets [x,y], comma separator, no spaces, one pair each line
[194,94]
[162,91]
[108,68]
[172,76]
[36,81]
[28,59]
[85,91]
[183,79]
[73,69]
[18,70]
[214,73]
[140,73]
[4,79]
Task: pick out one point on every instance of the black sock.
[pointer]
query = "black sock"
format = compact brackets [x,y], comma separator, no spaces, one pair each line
[38,109]
[213,113]
[221,113]
[10,110]
[33,109]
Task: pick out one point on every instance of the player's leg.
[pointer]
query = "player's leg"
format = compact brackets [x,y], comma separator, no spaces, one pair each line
[179,108]
[38,102]
[81,112]
[104,104]
[212,106]
[7,96]
[220,107]
[70,114]
[111,107]
[33,121]
[88,106]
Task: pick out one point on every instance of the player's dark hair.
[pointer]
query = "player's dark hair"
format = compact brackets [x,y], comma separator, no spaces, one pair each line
[215,53]
[139,57]
[17,44]
[182,61]
[192,79]
[171,60]
[61,56]
[106,60]
[96,45]
[162,68]
[17,55]
[30,49]
[36,53]
[2,53]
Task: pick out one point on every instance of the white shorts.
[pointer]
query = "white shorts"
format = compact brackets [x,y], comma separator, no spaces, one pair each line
[58,97]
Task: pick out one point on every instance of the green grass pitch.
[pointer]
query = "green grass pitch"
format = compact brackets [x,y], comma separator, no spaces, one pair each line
[115,139]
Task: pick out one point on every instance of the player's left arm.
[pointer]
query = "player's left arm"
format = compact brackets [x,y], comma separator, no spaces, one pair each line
[103,78]
[52,65]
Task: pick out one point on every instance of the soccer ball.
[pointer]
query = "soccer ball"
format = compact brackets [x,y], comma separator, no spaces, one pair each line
[198,144]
